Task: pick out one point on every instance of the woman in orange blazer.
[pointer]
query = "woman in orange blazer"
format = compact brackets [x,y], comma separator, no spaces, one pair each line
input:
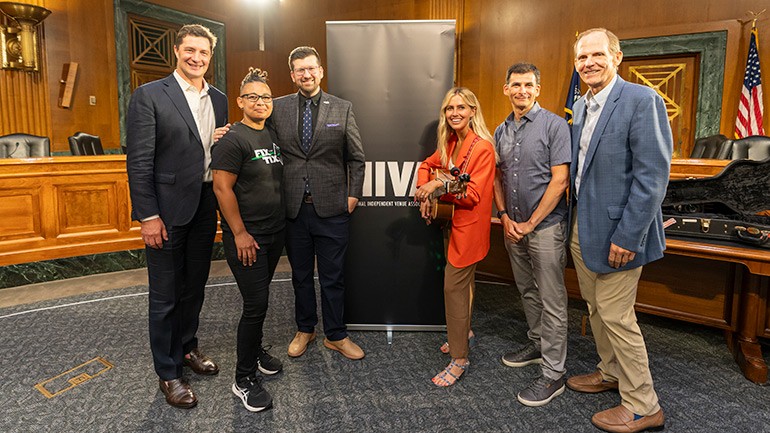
[463,142]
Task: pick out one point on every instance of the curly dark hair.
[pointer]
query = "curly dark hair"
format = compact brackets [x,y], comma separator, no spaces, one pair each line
[255,75]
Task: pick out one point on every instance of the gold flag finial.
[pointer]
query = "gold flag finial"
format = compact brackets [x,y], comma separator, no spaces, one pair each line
[754,17]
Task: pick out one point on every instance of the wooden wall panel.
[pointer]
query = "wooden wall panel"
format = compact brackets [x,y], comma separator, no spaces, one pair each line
[292,23]
[83,31]
[498,33]
[492,34]
[24,99]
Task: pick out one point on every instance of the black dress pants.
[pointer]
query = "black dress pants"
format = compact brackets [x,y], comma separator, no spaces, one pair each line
[254,285]
[310,238]
[177,276]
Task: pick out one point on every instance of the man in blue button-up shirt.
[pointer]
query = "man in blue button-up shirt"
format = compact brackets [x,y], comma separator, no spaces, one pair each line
[532,176]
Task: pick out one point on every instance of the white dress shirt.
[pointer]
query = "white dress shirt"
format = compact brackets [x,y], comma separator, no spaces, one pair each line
[594,106]
[203,113]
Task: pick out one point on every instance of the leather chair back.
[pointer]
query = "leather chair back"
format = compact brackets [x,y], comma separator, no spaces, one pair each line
[24,146]
[712,147]
[85,144]
[755,147]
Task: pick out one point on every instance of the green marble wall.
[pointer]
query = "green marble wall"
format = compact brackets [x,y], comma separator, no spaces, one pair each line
[712,49]
[137,7]
[71,267]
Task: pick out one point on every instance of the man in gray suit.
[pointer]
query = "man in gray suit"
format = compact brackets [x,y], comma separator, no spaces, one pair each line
[322,182]
[621,147]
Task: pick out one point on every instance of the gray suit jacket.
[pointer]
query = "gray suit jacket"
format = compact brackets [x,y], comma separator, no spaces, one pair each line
[624,177]
[335,163]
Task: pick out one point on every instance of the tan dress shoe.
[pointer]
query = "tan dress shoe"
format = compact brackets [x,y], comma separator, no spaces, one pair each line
[591,383]
[298,345]
[200,363]
[178,393]
[621,420]
[346,347]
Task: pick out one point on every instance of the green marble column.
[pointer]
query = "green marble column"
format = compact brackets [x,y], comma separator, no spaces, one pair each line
[712,49]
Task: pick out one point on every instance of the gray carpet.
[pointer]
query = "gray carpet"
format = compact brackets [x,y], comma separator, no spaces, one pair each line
[700,387]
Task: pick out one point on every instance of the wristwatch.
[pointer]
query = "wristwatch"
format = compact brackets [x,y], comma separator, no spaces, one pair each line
[500,213]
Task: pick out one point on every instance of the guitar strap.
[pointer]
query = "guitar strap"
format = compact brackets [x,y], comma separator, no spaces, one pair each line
[468,155]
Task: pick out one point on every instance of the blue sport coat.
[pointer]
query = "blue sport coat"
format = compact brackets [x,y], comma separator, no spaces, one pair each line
[624,177]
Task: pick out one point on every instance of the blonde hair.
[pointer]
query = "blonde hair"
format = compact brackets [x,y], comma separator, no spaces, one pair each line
[614,42]
[477,124]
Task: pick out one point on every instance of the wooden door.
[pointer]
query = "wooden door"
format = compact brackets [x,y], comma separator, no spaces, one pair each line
[675,78]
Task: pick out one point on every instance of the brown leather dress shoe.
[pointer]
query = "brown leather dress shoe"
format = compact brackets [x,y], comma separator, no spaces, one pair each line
[591,383]
[346,347]
[621,420]
[298,345]
[200,363]
[178,393]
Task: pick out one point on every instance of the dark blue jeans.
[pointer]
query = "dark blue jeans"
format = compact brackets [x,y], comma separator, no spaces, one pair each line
[254,285]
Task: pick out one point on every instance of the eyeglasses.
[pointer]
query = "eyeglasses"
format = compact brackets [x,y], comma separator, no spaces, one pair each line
[301,71]
[253,98]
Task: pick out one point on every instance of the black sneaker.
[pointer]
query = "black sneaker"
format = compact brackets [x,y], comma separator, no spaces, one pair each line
[253,396]
[267,363]
[541,391]
[528,354]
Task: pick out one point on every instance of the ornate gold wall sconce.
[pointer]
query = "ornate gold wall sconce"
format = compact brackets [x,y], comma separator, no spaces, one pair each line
[19,37]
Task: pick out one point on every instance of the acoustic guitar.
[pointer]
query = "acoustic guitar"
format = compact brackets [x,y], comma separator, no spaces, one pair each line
[456,183]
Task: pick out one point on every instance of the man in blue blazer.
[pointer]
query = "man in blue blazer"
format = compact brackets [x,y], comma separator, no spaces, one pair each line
[170,127]
[621,146]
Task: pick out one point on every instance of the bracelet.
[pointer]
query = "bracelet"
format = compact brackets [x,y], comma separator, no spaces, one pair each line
[500,213]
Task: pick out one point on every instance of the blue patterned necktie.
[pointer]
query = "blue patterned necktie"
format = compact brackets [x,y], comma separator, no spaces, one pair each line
[307,127]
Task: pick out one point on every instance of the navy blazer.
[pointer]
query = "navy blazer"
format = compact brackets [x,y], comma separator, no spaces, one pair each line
[624,177]
[165,154]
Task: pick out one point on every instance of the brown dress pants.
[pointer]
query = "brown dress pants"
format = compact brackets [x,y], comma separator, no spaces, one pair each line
[459,284]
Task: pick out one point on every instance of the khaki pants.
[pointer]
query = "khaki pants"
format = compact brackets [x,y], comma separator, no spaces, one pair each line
[619,341]
[459,284]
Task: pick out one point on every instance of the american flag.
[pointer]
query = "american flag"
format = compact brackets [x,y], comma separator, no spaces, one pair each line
[749,121]
[572,96]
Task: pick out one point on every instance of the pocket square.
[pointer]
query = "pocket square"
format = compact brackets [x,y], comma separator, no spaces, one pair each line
[332,125]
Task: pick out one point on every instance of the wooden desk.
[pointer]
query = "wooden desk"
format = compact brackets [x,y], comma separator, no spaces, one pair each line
[720,285]
[64,206]
[751,287]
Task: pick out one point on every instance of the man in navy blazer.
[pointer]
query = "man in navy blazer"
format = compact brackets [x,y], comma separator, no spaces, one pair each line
[621,145]
[323,179]
[170,127]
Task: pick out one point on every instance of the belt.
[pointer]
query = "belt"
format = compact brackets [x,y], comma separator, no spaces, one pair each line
[307,198]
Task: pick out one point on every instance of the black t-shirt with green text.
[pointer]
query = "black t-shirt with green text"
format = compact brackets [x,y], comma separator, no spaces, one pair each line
[254,157]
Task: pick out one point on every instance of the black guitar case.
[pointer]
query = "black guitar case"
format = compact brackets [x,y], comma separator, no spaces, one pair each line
[732,206]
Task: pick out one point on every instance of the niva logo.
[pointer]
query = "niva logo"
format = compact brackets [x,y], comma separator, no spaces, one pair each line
[396,179]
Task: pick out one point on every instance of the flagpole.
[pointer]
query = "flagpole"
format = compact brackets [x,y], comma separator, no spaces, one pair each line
[749,120]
